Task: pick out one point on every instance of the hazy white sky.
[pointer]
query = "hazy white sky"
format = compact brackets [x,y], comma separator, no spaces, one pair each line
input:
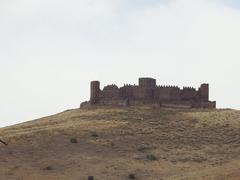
[51,49]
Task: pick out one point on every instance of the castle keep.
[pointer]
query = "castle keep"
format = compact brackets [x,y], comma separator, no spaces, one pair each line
[147,92]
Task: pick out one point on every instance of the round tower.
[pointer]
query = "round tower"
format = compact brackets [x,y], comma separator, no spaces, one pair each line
[95,90]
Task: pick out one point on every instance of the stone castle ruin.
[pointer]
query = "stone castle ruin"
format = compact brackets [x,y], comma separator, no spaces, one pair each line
[147,92]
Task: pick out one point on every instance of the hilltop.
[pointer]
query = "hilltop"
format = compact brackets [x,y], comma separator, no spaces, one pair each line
[110,143]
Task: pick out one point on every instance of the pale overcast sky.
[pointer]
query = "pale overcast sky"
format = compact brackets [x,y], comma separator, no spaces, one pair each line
[51,49]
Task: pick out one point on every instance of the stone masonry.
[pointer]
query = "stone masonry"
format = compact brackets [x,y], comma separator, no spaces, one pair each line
[147,92]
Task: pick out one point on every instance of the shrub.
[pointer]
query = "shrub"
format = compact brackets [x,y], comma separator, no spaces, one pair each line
[151,157]
[142,147]
[48,168]
[131,176]
[73,140]
[94,134]
[90,178]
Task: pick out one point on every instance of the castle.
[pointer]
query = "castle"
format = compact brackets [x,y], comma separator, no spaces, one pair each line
[147,92]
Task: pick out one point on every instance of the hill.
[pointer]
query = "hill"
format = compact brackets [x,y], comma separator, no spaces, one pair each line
[111,143]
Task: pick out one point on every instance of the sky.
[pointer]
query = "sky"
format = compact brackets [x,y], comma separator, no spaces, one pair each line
[50,50]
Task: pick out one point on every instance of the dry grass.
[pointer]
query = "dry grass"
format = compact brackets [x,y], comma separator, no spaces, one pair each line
[115,142]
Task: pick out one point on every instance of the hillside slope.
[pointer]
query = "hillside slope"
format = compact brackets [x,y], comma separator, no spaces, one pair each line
[113,143]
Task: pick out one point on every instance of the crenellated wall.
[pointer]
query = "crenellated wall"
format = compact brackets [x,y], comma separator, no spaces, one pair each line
[110,92]
[167,93]
[189,93]
[148,92]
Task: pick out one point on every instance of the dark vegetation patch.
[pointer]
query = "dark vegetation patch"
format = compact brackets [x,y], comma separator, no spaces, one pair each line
[73,140]
[90,178]
[131,176]
[152,157]
[94,134]
[48,168]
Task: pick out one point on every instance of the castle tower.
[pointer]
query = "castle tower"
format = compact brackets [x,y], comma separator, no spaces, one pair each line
[204,92]
[147,86]
[147,82]
[95,90]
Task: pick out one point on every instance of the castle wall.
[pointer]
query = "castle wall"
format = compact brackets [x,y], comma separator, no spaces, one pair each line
[143,93]
[189,94]
[136,92]
[145,90]
[110,92]
[148,92]
[164,93]
[127,92]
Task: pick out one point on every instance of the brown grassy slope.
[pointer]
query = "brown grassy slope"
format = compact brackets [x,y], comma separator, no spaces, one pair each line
[114,142]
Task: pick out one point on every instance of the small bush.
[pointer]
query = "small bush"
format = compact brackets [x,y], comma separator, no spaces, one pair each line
[131,176]
[142,147]
[48,168]
[151,157]
[73,140]
[90,178]
[94,134]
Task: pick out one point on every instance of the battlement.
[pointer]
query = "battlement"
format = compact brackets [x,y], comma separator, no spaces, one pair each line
[189,88]
[148,92]
[167,86]
[113,86]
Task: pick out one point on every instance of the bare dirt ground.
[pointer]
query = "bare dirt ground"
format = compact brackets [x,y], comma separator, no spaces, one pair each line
[112,143]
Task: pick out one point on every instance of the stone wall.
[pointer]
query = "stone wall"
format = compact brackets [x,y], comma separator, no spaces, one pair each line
[110,92]
[148,92]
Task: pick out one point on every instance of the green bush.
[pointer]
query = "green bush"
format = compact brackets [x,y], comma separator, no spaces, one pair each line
[151,157]
[73,140]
